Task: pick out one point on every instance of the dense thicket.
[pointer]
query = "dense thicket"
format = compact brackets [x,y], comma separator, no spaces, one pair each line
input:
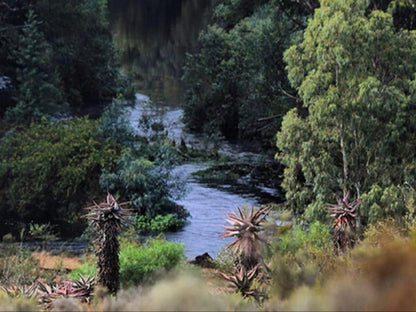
[60,54]
[75,50]
[236,84]
[50,170]
[354,71]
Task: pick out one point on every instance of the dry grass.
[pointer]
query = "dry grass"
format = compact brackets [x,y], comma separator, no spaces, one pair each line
[378,275]
[48,261]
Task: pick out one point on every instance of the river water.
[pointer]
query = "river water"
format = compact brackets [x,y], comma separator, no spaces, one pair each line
[206,203]
[153,37]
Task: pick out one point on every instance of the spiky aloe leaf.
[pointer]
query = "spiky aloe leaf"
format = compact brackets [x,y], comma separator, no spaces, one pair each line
[17,291]
[344,213]
[245,227]
[242,280]
[80,289]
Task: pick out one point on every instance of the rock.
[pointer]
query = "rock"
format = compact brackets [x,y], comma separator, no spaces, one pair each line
[204,261]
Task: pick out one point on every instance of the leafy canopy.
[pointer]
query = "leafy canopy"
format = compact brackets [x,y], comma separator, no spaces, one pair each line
[48,171]
[354,72]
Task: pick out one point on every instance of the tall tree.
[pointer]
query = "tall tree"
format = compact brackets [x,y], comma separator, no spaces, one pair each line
[236,85]
[353,71]
[83,51]
[39,92]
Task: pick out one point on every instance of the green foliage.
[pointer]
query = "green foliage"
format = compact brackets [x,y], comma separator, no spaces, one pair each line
[234,84]
[316,236]
[86,269]
[353,71]
[83,51]
[50,170]
[361,281]
[159,223]
[139,264]
[41,232]
[63,53]
[230,12]
[143,182]
[301,256]
[39,91]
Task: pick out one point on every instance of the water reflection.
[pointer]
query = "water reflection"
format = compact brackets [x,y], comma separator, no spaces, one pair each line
[153,37]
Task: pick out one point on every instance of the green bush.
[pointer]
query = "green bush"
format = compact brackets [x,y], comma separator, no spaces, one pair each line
[316,235]
[86,269]
[300,257]
[49,171]
[139,264]
[160,223]
[145,183]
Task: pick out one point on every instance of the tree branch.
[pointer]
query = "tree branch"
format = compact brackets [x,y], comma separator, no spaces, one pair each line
[19,26]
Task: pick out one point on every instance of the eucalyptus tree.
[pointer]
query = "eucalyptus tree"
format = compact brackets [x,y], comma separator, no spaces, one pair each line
[354,72]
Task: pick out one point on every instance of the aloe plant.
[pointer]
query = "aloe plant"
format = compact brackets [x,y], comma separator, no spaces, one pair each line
[242,281]
[107,218]
[344,213]
[18,291]
[245,227]
[49,294]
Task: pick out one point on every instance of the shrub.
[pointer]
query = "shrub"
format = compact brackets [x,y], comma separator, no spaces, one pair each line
[185,292]
[378,275]
[139,264]
[160,223]
[17,266]
[86,269]
[49,170]
[146,184]
[300,257]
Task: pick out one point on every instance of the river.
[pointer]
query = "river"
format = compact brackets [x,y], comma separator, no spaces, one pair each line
[153,37]
[206,203]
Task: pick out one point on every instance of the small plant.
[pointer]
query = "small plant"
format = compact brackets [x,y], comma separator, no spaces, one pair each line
[80,290]
[42,232]
[344,214]
[245,227]
[107,218]
[18,266]
[86,269]
[159,223]
[139,264]
[85,284]
[19,291]
[242,281]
